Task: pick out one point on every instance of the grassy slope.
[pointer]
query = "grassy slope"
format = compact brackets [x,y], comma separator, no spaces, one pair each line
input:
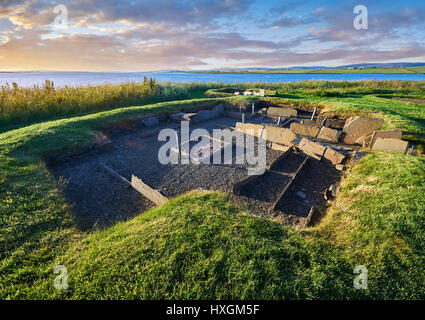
[378,221]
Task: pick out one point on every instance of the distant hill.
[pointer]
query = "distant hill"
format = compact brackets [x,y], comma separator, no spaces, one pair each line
[357,65]
[385,65]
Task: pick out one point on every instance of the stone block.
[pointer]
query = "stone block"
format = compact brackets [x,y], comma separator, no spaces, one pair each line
[311,147]
[152,194]
[282,111]
[279,135]
[390,145]
[328,134]
[333,156]
[305,130]
[243,127]
[357,127]
[279,147]
[394,134]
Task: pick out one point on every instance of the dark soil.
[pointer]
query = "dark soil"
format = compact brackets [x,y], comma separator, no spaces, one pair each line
[313,180]
[97,199]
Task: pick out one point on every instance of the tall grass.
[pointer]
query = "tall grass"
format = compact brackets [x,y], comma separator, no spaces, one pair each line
[20,106]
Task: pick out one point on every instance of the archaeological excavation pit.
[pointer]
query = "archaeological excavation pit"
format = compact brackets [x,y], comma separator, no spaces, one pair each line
[99,183]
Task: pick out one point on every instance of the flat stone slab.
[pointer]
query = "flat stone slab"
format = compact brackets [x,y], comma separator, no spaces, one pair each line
[390,145]
[279,147]
[152,194]
[282,111]
[328,134]
[385,134]
[357,127]
[250,128]
[305,129]
[333,156]
[279,135]
[206,147]
[311,147]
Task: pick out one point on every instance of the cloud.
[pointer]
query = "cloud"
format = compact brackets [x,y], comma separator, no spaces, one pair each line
[165,34]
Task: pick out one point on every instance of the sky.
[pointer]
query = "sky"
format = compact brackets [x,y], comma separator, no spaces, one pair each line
[139,35]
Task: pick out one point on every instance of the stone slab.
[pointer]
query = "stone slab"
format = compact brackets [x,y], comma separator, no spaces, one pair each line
[305,129]
[328,134]
[333,156]
[357,127]
[311,147]
[152,194]
[279,147]
[390,145]
[243,127]
[282,111]
[394,134]
[279,135]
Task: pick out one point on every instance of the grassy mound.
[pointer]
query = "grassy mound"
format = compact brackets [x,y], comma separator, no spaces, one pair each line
[201,246]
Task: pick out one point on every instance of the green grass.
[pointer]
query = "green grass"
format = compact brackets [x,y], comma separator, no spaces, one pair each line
[201,245]
[24,106]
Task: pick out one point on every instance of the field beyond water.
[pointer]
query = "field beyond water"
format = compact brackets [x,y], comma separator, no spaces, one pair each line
[393,70]
[200,245]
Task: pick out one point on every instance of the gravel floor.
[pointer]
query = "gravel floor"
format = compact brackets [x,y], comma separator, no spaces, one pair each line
[98,199]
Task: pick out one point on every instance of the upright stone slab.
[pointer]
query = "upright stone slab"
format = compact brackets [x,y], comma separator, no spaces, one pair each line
[333,156]
[282,111]
[256,128]
[280,135]
[390,145]
[328,134]
[311,147]
[304,129]
[205,115]
[393,134]
[357,127]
